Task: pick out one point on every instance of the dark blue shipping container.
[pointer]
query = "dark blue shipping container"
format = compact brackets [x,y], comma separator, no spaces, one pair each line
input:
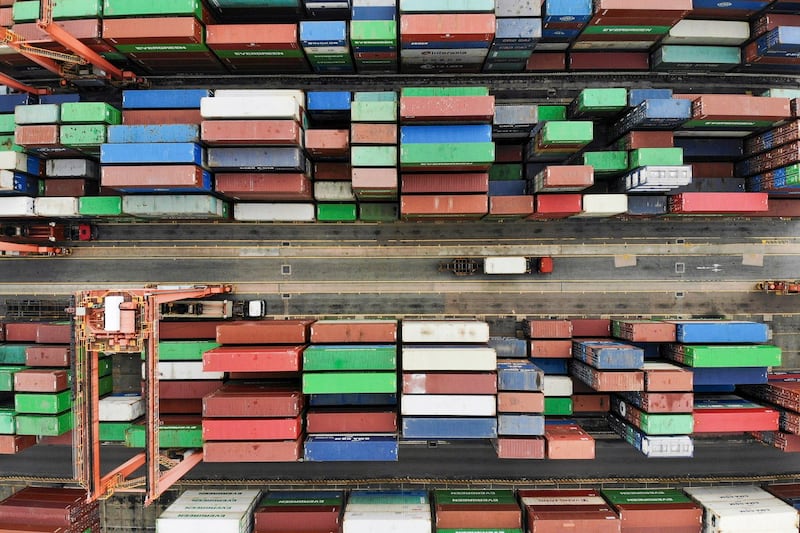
[374,12]
[34,166]
[710,149]
[151,153]
[449,428]
[730,376]
[161,133]
[721,332]
[549,366]
[791,7]
[59,98]
[520,425]
[509,347]
[327,11]
[475,133]
[21,184]
[652,350]
[711,185]
[519,376]
[558,35]
[323,33]
[257,159]
[731,5]
[350,448]
[508,187]
[164,98]
[714,389]
[637,96]
[647,206]
[655,114]
[337,400]
[9,101]
[783,41]
[278,495]
[567,10]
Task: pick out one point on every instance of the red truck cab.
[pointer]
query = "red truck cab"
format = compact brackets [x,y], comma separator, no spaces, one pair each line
[545,265]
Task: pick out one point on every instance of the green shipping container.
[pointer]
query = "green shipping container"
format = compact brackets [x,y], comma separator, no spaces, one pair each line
[444,91]
[373,111]
[642,157]
[113,431]
[664,424]
[626,30]
[90,113]
[567,132]
[62,10]
[105,385]
[551,112]
[284,499]
[100,206]
[43,404]
[13,354]
[161,48]
[7,124]
[611,162]
[135,8]
[184,350]
[37,114]
[684,57]
[281,54]
[174,206]
[474,497]
[7,377]
[718,356]
[554,406]
[168,436]
[82,134]
[25,11]
[7,142]
[436,154]
[373,33]
[387,498]
[46,426]
[373,156]
[8,424]
[591,101]
[645,496]
[506,171]
[378,212]
[349,382]
[336,212]
[104,366]
[375,96]
[350,357]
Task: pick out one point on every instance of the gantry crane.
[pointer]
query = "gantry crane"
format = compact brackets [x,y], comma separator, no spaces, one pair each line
[123,321]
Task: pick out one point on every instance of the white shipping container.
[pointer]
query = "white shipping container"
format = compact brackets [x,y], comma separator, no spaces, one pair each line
[299,96]
[265,107]
[386,522]
[449,358]
[448,405]
[273,212]
[71,168]
[563,500]
[603,205]
[333,191]
[610,45]
[429,331]
[673,446]
[747,516]
[422,56]
[201,522]
[121,408]
[557,386]
[505,265]
[56,206]
[517,8]
[11,160]
[326,50]
[16,206]
[388,508]
[173,205]
[658,365]
[714,32]
[169,370]
[551,47]
[727,493]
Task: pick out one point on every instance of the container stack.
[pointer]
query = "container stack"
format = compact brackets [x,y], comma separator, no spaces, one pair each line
[783,394]
[117,413]
[444,167]
[743,508]
[774,43]
[21,172]
[387,512]
[520,408]
[309,511]
[518,29]
[326,44]
[562,23]
[257,48]
[210,511]
[576,509]
[449,380]
[508,166]
[374,139]
[256,151]
[351,369]
[785,178]
[586,400]
[652,510]
[787,492]
[50,509]
[249,419]
[373,35]
[474,509]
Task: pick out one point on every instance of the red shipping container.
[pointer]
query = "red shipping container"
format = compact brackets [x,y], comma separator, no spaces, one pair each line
[612,380]
[11,444]
[595,521]
[174,30]
[41,381]
[646,331]
[425,206]
[450,383]
[444,183]
[508,153]
[172,331]
[568,441]
[551,348]
[266,401]
[446,28]
[65,439]
[252,37]
[151,176]
[180,390]
[264,186]
[252,428]
[6,17]
[740,107]
[718,202]
[667,402]
[253,359]
[70,187]
[547,329]
[366,133]
[520,402]
[734,420]
[646,139]
[666,379]
[47,356]
[780,207]
[351,421]
[660,517]
[134,117]
[298,519]
[264,332]
[37,135]
[546,61]
[54,334]
[446,108]
[505,207]
[519,448]
[488,515]
[566,177]
[280,451]
[551,206]
[623,8]
[332,171]
[591,327]
[351,331]
[251,132]
[180,406]
[712,170]
[21,331]
[609,60]
[328,143]
[591,403]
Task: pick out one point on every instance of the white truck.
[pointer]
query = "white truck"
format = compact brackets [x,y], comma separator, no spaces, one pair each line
[464,266]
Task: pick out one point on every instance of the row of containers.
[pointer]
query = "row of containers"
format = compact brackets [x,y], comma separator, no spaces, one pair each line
[353,390]
[425,153]
[414,36]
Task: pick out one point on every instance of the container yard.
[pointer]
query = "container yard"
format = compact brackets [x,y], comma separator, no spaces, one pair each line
[392,265]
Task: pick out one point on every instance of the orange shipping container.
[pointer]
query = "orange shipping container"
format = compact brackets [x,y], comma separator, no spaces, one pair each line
[151,176]
[252,36]
[172,30]
[328,143]
[740,107]
[447,108]
[446,28]
[251,132]
[466,206]
[366,133]
[264,332]
[510,206]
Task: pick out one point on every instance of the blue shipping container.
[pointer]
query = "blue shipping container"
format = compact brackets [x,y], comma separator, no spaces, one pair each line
[517,31]
[449,428]
[323,33]
[350,448]
[9,101]
[374,12]
[519,376]
[257,158]
[783,41]
[59,98]
[337,400]
[731,5]
[559,35]
[21,184]
[716,149]
[556,367]
[608,355]
[637,96]
[509,347]
[721,332]
[730,376]
[520,425]
[647,206]
[567,10]
[478,133]
[508,187]
[164,98]
[320,101]
[713,389]
[655,113]
[161,133]
[151,153]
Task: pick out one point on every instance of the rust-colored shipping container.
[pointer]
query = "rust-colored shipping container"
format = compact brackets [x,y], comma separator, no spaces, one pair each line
[252,429]
[510,206]
[613,380]
[87,31]
[70,187]
[740,107]
[246,400]
[264,332]
[253,359]
[264,186]
[660,517]
[281,451]
[352,421]
[252,37]
[447,27]
[508,153]
[352,331]
[519,448]
[449,383]
[151,176]
[11,444]
[609,60]
[591,403]
[47,356]
[140,117]
[172,30]
[366,133]
[447,108]
[646,331]
[591,327]
[477,515]
[667,402]
[332,171]
[554,206]
[475,182]
[41,380]
[21,331]
[568,441]
[547,329]
[328,143]
[712,170]
[546,62]
[647,139]
[520,402]
[183,389]
[251,132]
[178,331]
[6,17]
[37,135]
[668,379]
[440,206]
[551,348]
[597,521]
[54,334]
[656,8]
[308,518]
[177,406]
[780,207]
